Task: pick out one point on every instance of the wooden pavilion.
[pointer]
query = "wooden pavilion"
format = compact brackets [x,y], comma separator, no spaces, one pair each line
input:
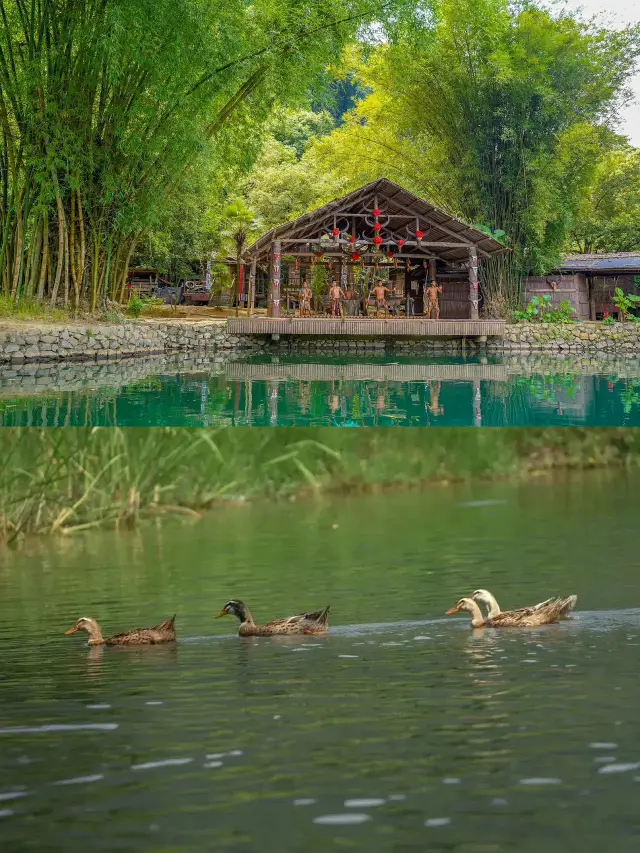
[380,226]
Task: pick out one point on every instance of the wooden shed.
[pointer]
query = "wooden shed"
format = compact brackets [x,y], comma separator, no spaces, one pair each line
[589,282]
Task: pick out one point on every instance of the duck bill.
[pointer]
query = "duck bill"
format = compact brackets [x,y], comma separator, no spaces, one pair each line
[73,630]
[221,614]
[451,611]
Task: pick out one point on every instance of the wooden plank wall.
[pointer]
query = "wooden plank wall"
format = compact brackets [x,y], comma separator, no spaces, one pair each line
[603,289]
[454,300]
[320,327]
[570,287]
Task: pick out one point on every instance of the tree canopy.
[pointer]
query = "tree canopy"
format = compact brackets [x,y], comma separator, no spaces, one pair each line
[106,104]
[130,126]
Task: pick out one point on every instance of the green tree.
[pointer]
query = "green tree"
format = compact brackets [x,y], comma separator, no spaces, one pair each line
[105,103]
[475,106]
[608,216]
[238,222]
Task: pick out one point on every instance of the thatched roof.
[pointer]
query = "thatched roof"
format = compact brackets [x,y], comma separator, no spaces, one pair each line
[402,213]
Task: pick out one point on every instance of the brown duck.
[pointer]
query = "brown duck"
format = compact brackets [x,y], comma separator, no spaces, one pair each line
[303,623]
[545,613]
[493,608]
[164,632]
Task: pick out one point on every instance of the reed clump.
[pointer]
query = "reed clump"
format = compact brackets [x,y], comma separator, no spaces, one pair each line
[71,480]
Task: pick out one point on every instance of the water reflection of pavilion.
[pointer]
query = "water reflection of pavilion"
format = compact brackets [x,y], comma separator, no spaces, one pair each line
[375,372]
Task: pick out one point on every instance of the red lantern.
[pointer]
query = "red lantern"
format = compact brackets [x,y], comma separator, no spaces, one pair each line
[401,243]
[377,227]
[318,255]
[377,211]
[336,232]
[352,240]
[377,240]
[390,255]
[355,256]
[419,234]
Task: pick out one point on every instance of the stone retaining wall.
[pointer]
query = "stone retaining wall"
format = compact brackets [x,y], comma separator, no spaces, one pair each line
[551,338]
[19,345]
[620,338]
[105,342]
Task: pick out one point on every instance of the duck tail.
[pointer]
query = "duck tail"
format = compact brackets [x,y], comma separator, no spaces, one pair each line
[567,605]
[323,615]
[166,624]
[319,616]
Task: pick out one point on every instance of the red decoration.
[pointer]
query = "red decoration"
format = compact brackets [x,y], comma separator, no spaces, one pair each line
[390,255]
[377,240]
[377,211]
[401,243]
[355,256]
[377,227]
[318,255]
[419,234]
[336,232]
[352,240]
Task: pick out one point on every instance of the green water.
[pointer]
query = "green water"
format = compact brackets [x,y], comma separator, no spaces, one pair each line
[306,391]
[400,731]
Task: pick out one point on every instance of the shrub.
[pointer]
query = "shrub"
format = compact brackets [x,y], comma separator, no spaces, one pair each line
[541,310]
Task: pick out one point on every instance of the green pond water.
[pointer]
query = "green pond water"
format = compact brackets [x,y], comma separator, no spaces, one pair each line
[400,731]
[299,391]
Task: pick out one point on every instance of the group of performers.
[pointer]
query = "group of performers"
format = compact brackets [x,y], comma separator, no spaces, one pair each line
[378,293]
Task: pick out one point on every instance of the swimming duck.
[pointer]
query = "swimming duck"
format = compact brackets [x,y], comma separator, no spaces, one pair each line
[164,632]
[303,623]
[493,608]
[543,614]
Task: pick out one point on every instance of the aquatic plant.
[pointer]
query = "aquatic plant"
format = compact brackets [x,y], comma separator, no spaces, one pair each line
[71,480]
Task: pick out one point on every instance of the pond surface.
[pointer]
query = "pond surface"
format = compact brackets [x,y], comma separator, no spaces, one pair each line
[400,731]
[308,391]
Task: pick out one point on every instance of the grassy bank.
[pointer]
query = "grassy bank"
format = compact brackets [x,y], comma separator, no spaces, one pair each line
[64,481]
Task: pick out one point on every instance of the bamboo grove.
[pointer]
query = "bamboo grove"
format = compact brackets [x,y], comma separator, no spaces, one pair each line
[105,104]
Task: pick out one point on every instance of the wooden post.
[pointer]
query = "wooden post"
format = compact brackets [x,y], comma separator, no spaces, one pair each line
[407,291]
[251,297]
[473,282]
[432,268]
[274,291]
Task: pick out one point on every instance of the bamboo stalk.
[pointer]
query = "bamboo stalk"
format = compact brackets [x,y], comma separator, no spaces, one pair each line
[45,257]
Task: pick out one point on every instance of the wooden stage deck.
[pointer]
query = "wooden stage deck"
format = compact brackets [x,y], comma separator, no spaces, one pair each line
[375,372]
[362,327]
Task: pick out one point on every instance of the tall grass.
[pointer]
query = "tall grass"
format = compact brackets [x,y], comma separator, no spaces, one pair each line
[64,481]
[31,309]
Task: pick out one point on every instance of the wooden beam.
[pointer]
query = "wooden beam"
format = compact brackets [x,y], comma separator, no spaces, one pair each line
[434,244]
[464,241]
